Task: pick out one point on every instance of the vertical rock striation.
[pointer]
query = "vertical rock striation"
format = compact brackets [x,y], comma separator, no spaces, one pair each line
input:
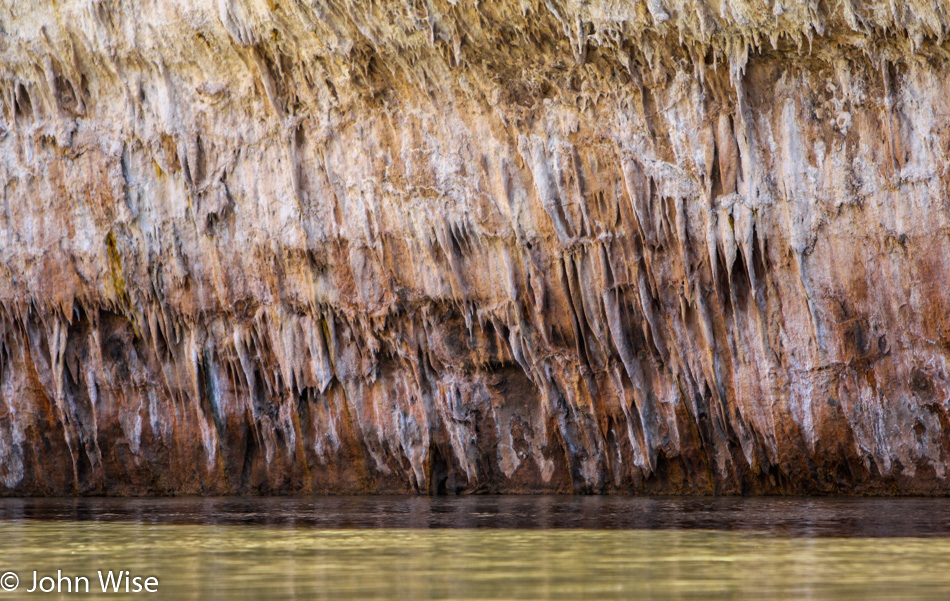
[686,246]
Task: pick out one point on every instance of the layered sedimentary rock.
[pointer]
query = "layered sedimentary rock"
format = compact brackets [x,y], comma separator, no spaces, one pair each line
[459,246]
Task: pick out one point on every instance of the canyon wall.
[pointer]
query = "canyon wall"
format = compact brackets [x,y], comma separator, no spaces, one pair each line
[367,246]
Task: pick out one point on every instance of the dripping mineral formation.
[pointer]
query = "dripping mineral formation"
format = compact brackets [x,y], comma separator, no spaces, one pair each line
[274,246]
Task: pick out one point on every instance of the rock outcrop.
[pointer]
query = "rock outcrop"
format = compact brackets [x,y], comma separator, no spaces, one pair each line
[677,246]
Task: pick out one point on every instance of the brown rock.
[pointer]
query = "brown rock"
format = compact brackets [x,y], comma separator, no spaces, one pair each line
[546,245]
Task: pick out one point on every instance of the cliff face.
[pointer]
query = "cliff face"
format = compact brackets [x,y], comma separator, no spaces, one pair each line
[450,245]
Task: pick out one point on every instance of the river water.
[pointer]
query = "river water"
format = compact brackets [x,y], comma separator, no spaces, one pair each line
[467,548]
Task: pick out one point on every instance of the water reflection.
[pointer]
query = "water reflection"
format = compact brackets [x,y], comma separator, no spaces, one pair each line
[265,562]
[489,547]
[810,517]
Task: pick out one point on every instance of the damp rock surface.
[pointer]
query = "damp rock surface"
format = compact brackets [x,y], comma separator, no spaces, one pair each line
[343,246]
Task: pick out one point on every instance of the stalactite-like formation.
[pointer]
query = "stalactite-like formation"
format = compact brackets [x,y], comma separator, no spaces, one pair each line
[684,246]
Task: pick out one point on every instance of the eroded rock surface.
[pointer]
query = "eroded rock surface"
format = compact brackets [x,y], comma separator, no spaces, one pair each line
[451,245]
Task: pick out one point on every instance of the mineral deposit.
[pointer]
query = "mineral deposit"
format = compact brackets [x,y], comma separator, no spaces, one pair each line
[366,246]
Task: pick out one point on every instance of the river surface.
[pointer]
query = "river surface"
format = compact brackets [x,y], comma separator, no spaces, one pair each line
[469,548]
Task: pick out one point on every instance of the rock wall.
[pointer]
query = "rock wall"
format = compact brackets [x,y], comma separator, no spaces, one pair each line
[669,246]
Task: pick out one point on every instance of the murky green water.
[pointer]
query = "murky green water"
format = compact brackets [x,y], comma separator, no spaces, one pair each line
[302,549]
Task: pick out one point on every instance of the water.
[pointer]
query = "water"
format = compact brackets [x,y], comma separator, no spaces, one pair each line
[485,547]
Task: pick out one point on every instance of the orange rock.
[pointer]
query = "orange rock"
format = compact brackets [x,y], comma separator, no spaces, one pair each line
[482,247]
